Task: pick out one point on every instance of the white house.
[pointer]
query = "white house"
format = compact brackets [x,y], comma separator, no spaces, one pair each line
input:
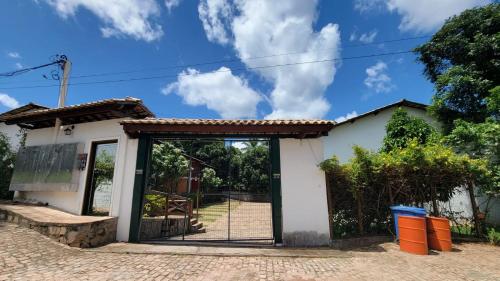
[58,167]
[57,164]
[368,130]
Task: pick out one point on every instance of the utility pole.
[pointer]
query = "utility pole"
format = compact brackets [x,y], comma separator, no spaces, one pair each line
[63,91]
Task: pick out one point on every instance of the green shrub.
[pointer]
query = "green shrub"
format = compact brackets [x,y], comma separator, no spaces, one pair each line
[7,159]
[494,237]
[154,205]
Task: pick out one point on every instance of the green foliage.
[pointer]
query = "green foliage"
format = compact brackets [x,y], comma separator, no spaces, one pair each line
[209,179]
[218,156]
[154,205]
[104,168]
[363,189]
[480,141]
[493,103]
[168,165]
[462,60]
[330,165]
[245,169]
[402,128]
[254,172]
[7,160]
[361,170]
[494,236]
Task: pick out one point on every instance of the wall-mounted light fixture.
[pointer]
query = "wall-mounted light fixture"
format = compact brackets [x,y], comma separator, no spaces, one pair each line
[69,130]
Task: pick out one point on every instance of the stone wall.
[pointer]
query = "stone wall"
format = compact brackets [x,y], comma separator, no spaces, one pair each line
[84,235]
[152,228]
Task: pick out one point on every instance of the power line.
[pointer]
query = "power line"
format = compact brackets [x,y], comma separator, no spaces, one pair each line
[228,70]
[225,60]
[24,70]
[240,59]
[386,41]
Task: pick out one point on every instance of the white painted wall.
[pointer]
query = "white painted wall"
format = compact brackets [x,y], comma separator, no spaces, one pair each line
[303,193]
[13,133]
[123,179]
[367,132]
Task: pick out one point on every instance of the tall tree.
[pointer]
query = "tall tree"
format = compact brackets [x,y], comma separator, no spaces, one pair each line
[168,165]
[255,167]
[463,61]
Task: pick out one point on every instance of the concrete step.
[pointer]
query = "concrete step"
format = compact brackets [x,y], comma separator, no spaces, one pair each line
[197,225]
[200,230]
[194,221]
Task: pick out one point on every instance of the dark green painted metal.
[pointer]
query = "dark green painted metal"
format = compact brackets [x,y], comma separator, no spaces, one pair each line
[276,190]
[143,151]
[143,154]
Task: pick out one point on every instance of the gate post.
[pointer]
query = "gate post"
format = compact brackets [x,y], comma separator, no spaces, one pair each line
[143,151]
[276,190]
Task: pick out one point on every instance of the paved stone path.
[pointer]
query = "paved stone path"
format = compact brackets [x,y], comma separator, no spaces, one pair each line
[250,220]
[27,255]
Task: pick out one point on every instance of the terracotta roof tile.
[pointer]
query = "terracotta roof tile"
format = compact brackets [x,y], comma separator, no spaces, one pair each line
[25,108]
[243,122]
[283,128]
[81,106]
[82,113]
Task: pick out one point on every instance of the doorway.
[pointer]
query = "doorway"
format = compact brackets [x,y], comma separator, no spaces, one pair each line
[208,190]
[99,184]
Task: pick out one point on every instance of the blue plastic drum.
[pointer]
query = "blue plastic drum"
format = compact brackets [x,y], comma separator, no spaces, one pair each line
[406,211]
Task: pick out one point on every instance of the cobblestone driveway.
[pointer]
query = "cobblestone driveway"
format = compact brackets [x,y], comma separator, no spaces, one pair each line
[27,255]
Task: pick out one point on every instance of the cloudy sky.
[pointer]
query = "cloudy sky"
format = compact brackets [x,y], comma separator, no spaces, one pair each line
[223,58]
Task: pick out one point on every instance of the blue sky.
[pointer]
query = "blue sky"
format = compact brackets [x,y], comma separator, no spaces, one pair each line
[275,59]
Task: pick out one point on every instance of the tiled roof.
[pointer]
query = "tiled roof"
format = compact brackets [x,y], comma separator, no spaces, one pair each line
[28,107]
[85,106]
[400,103]
[283,128]
[243,122]
[82,113]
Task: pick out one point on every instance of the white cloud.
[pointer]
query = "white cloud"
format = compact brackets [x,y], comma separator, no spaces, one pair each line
[428,15]
[215,16]
[132,18]
[220,90]
[366,38]
[420,16]
[19,65]
[364,6]
[8,101]
[377,78]
[14,55]
[346,117]
[257,28]
[170,4]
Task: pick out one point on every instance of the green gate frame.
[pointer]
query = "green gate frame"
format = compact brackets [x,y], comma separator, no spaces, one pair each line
[142,166]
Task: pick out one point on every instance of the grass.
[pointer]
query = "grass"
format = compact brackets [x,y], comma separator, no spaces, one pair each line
[210,213]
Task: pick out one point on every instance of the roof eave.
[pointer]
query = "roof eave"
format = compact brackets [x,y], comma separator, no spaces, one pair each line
[288,131]
[376,111]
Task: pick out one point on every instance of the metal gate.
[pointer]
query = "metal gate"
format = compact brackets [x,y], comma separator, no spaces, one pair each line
[208,190]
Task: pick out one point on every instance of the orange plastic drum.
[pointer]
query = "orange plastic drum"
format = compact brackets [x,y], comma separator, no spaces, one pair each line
[413,235]
[439,234]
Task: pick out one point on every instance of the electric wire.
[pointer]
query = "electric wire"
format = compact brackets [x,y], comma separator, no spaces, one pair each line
[203,63]
[216,71]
